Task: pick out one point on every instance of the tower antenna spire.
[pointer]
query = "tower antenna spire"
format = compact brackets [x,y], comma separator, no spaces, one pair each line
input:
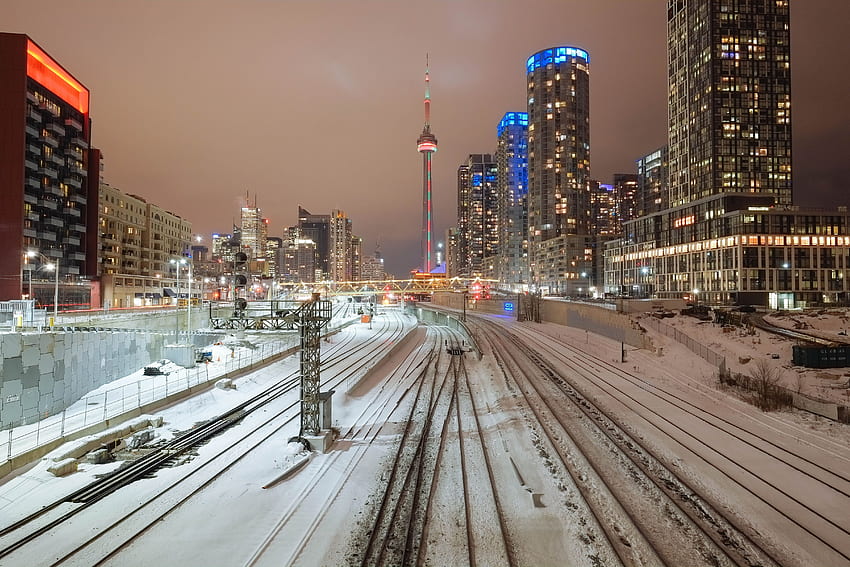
[427,145]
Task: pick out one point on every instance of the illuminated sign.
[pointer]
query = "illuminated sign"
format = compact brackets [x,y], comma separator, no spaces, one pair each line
[47,72]
[684,221]
[509,306]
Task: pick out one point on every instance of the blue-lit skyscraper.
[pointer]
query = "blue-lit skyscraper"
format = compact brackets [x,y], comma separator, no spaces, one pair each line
[478,216]
[559,217]
[512,163]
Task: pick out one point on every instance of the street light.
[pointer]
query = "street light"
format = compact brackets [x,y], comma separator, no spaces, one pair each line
[51,265]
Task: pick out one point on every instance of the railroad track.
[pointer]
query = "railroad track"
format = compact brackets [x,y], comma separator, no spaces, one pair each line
[834,484]
[623,462]
[20,536]
[434,508]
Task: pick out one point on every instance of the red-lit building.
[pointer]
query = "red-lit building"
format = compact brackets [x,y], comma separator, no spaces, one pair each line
[48,176]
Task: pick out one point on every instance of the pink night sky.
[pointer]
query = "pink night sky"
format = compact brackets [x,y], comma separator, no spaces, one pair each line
[319,103]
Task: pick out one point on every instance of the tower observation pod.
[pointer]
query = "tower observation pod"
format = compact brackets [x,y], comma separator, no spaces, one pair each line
[427,145]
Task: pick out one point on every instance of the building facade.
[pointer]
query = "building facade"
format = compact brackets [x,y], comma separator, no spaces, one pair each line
[653,182]
[729,98]
[48,195]
[727,231]
[558,87]
[478,215]
[340,260]
[512,182]
[317,229]
[137,242]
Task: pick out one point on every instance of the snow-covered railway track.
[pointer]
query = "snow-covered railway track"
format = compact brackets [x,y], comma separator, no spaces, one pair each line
[399,518]
[337,470]
[114,530]
[439,500]
[818,509]
[630,493]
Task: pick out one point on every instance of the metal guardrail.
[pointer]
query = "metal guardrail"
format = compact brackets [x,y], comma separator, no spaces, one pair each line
[100,407]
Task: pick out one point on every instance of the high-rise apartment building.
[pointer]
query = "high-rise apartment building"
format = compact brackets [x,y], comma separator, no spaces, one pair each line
[559,223]
[729,98]
[653,182]
[274,246]
[625,199]
[254,232]
[48,195]
[512,179]
[340,261]
[603,205]
[728,232]
[316,228]
[478,215]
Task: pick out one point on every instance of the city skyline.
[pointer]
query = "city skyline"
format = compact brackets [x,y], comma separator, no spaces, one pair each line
[268,97]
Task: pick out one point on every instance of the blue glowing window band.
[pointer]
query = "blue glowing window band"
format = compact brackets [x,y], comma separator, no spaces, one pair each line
[512,119]
[554,55]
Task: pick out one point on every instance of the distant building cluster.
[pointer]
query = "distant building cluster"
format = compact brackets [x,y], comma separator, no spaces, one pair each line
[75,237]
[249,263]
[708,217]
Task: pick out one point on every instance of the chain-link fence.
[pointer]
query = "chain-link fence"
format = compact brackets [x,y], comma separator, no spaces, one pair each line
[693,345]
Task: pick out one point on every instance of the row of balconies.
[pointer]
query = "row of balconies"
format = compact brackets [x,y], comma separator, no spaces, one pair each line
[48,204]
[73,152]
[74,124]
[55,128]
[72,181]
[51,108]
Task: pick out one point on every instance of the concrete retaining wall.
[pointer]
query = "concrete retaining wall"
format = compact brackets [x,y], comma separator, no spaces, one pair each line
[593,318]
[43,373]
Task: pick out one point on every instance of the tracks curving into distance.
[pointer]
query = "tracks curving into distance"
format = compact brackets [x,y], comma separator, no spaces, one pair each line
[431,470]
[20,538]
[627,491]
[744,454]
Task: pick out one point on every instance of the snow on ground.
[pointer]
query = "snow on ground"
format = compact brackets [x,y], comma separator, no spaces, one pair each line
[253,514]
[744,348]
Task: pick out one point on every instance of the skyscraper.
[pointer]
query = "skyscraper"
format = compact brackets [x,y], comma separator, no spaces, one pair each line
[427,146]
[478,215]
[339,261]
[48,195]
[317,229]
[729,98]
[558,82]
[512,163]
[653,182]
[729,143]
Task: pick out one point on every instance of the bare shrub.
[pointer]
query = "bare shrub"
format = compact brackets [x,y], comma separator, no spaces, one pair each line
[769,395]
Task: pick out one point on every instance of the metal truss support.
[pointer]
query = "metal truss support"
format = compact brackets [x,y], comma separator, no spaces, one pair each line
[312,316]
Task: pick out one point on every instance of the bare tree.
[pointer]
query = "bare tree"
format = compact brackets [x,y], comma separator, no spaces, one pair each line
[768,394]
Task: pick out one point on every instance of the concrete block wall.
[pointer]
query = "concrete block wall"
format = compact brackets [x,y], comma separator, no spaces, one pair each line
[43,373]
[593,318]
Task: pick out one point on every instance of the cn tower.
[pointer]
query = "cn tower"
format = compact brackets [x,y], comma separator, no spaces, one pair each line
[427,145]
